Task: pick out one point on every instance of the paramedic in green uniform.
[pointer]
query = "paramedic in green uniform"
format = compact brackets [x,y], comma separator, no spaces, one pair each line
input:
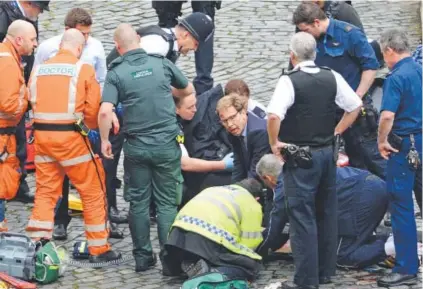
[144,85]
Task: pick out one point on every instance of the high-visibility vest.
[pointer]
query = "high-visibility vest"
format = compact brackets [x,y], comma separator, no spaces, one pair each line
[227,215]
[63,107]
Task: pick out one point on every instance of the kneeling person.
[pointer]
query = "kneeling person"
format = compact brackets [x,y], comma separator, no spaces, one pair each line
[221,228]
[362,203]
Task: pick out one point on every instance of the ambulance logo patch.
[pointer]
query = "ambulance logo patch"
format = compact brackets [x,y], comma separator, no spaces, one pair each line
[142,73]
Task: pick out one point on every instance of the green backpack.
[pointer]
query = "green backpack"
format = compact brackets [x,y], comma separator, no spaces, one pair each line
[213,280]
[49,265]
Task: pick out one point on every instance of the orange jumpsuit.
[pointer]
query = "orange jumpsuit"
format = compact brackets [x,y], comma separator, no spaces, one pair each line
[13,104]
[62,90]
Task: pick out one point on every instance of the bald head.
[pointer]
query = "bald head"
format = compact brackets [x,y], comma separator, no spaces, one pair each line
[73,40]
[126,38]
[23,36]
[19,28]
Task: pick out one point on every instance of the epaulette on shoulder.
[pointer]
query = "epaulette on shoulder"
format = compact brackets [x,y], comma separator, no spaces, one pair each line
[156,55]
[115,63]
[348,28]
[391,72]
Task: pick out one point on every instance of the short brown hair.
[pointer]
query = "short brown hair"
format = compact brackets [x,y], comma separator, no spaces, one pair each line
[78,16]
[178,100]
[307,12]
[237,86]
[233,99]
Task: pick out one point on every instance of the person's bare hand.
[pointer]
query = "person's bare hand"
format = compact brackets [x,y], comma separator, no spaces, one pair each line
[276,149]
[106,149]
[115,122]
[386,149]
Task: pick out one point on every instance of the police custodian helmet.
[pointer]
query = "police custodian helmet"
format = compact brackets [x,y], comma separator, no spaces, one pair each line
[42,4]
[199,25]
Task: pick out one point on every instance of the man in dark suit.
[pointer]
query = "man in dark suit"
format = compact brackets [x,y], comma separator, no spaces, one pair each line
[248,135]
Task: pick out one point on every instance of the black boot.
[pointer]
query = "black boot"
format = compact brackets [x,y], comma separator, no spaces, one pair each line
[115,216]
[194,269]
[60,232]
[114,232]
[24,194]
[105,257]
[144,266]
[397,279]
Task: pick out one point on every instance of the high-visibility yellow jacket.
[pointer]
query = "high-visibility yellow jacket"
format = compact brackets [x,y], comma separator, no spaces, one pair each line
[227,215]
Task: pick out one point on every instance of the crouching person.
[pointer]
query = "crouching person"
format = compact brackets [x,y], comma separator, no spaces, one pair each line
[218,230]
[362,203]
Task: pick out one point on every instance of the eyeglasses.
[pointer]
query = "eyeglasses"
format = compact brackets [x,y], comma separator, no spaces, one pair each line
[229,119]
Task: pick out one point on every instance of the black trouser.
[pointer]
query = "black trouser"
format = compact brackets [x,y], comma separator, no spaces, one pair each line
[362,149]
[168,12]
[21,153]
[62,216]
[110,168]
[312,208]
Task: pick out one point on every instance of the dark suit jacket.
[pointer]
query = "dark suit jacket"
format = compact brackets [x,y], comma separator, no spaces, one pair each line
[247,157]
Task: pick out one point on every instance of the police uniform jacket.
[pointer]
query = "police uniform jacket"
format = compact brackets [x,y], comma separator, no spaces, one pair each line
[232,219]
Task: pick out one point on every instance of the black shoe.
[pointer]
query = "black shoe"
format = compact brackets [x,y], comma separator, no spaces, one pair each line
[24,194]
[292,285]
[397,279]
[105,257]
[325,280]
[115,216]
[114,232]
[194,269]
[144,266]
[60,232]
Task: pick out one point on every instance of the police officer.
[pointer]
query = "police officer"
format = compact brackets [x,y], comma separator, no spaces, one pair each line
[345,49]
[9,12]
[302,112]
[400,142]
[167,12]
[142,84]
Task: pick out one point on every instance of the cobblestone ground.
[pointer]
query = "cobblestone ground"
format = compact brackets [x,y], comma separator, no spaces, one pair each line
[251,42]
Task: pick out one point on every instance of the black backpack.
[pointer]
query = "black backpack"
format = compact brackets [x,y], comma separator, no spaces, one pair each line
[170,38]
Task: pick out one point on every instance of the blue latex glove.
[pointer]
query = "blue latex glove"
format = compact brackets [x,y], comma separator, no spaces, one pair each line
[229,161]
[119,110]
[93,136]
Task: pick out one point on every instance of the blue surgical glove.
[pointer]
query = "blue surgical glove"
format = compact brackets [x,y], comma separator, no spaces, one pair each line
[93,136]
[229,161]
[119,110]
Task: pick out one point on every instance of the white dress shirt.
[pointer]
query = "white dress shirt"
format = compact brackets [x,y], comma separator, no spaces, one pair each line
[284,96]
[155,44]
[93,54]
[184,150]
